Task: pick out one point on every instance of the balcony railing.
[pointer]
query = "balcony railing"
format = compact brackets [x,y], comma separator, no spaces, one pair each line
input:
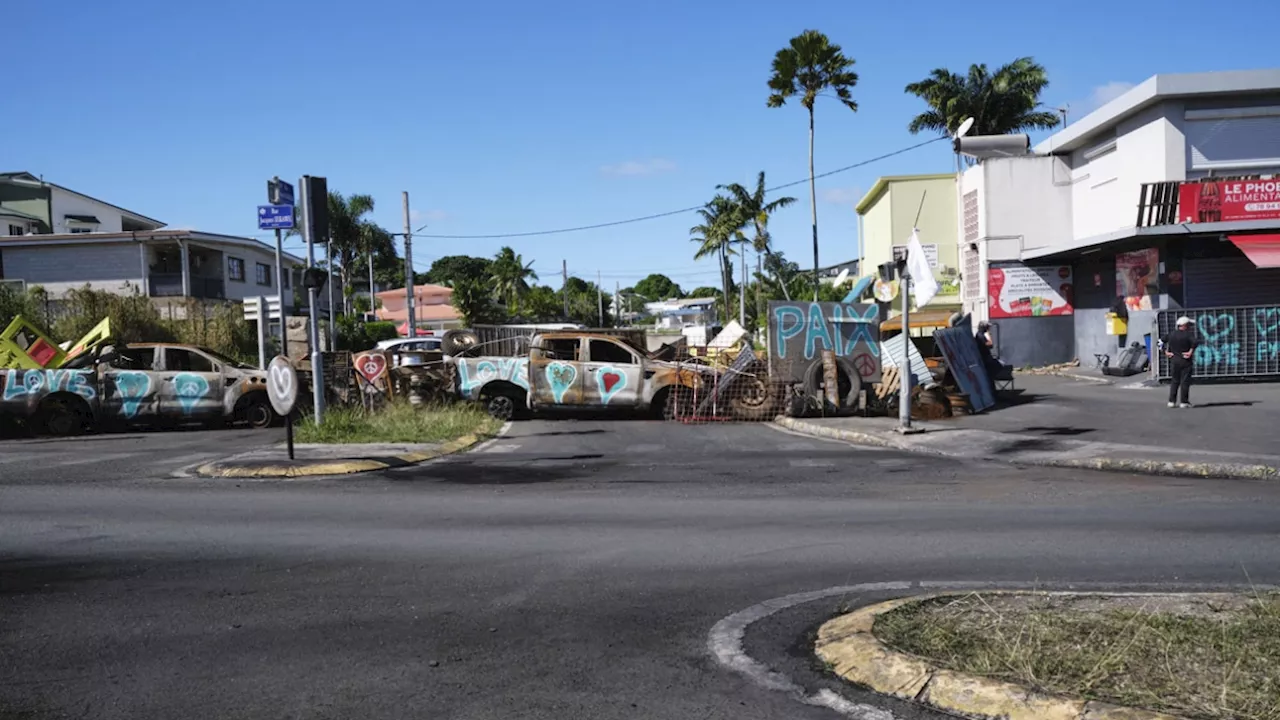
[1158,204]
[170,285]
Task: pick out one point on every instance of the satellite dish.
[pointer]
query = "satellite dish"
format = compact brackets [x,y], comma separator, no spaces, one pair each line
[964,128]
[844,275]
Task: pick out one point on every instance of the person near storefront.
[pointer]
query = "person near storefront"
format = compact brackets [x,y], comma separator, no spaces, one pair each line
[1180,347]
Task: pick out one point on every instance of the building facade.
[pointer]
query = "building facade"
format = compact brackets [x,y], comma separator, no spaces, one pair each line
[895,206]
[1162,202]
[432,308]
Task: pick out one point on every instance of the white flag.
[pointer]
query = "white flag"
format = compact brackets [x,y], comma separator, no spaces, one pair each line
[923,286]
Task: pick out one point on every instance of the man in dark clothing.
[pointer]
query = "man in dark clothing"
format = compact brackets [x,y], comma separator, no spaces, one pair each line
[996,370]
[1180,347]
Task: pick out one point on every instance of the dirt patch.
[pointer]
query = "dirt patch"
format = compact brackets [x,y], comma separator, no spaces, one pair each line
[1203,656]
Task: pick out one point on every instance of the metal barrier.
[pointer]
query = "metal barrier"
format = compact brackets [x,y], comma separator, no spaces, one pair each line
[1235,342]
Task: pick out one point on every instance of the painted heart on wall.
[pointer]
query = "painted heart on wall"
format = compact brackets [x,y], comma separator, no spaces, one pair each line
[560,377]
[610,382]
[133,386]
[1217,327]
[189,388]
[1266,320]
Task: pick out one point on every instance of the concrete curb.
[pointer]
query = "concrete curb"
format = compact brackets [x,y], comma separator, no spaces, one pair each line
[274,469]
[1155,462]
[1068,375]
[848,646]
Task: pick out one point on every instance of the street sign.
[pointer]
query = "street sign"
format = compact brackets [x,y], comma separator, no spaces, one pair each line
[275,217]
[253,311]
[279,192]
[282,385]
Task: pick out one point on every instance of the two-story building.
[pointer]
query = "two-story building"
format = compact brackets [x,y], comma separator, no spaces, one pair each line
[60,239]
[1162,202]
[432,308]
[898,204]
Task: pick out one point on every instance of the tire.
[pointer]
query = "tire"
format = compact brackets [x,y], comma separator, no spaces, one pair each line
[63,417]
[459,343]
[848,382]
[753,397]
[503,405]
[259,414]
[677,404]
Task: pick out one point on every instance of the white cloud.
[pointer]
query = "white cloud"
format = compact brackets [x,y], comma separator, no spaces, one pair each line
[417,216]
[632,168]
[842,196]
[1101,95]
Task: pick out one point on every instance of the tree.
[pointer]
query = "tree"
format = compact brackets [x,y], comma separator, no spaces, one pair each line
[808,67]
[721,224]
[999,103]
[350,234]
[657,287]
[511,277]
[756,210]
[473,299]
[452,269]
[543,304]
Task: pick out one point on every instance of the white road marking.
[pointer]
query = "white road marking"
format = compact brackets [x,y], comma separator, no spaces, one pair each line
[810,462]
[487,445]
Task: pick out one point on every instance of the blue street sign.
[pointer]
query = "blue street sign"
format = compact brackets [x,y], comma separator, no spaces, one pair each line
[275,217]
[284,193]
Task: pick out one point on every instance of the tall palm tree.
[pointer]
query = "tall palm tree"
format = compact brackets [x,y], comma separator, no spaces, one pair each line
[349,233]
[721,225]
[756,210]
[811,65]
[1005,101]
[511,277]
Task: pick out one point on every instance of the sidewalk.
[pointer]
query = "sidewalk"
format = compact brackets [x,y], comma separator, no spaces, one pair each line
[321,460]
[1061,422]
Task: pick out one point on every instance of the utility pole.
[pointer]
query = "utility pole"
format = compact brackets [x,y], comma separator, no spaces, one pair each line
[333,326]
[742,291]
[412,318]
[564,289]
[284,333]
[759,278]
[617,304]
[309,217]
[600,298]
[373,303]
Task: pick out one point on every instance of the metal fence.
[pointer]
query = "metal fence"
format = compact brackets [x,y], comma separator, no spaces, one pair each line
[1235,342]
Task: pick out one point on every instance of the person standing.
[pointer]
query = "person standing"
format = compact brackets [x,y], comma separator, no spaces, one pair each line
[1180,347]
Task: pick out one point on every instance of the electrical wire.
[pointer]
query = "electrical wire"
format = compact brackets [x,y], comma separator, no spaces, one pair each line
[670,213]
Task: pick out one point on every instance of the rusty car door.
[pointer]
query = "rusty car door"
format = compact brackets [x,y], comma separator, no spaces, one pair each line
[130,385]
[614,374]
[556,373]
[191,385]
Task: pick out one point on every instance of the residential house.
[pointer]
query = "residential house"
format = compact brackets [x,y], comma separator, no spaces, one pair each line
[432,308]
[894,207]
[1163,202]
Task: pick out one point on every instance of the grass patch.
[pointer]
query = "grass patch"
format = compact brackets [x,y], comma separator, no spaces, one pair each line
[1208,657]
[397,422]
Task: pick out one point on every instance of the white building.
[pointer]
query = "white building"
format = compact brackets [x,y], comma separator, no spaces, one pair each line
[1105,215]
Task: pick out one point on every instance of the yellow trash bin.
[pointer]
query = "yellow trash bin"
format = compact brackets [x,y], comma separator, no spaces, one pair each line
[1116,325]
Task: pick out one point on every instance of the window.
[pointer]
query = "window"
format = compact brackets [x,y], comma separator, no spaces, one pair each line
[560,349]
[264,275]
[178,359]
[610,352]
[80,230]
[287,275]
[16,230]
[128,358]
[235,269]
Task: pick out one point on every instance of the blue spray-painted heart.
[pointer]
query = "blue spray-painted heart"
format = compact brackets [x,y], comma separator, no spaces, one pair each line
[610,381]
[560,377]
[190,388]
[132,386]
[1217,327]
[1263,316]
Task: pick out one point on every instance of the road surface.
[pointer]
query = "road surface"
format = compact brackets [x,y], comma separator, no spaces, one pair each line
[572,569]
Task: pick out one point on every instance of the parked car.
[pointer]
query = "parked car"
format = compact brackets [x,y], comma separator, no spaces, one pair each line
[142,383]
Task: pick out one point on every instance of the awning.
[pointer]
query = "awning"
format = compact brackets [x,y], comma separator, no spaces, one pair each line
[1262,250]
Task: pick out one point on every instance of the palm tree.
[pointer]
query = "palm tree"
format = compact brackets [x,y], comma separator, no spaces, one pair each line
[756,210]
[349,233]
[721,225]
[511,277]
[810,66]
[999,103]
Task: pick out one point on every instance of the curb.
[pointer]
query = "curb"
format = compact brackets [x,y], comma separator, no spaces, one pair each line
[848,646]
[1167,468]
[319,468]
[1070,376]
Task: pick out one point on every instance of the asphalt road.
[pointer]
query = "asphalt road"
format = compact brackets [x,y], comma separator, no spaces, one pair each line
[570,570]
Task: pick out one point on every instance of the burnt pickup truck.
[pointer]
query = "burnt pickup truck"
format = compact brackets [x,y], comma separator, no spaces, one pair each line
[567,370]
[143,384]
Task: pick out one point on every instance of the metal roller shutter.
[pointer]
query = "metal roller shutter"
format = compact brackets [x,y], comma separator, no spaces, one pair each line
[1234,142]
[1229,282]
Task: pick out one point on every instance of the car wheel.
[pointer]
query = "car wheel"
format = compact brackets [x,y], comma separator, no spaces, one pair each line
[500,406]
[63,417]
[259,414]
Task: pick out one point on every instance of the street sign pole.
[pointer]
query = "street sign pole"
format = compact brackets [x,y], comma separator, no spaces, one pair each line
[263,317]
[280,193]
[904,394]
[284,334]
[313,315]
[282,392]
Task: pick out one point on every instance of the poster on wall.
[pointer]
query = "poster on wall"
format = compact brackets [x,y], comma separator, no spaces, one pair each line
[1137,277]
[1228,201]
[1017,290]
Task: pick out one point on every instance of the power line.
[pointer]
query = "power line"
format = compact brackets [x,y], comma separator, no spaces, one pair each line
[681,211]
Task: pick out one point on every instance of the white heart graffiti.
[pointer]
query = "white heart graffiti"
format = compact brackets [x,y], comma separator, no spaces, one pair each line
[281,381]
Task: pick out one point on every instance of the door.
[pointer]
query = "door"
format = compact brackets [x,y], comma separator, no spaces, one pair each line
[190,385]
[556,373]
[614,374]
[130,385]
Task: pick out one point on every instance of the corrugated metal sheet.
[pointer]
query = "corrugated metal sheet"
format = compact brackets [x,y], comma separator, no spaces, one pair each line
[891,351]
[1229,281]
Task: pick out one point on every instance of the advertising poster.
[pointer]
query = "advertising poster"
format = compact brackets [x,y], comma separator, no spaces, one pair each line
[1137,277]
[1017,290]
[1228,201]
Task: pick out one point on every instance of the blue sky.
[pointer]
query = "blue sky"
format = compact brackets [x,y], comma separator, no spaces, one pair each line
[508,117]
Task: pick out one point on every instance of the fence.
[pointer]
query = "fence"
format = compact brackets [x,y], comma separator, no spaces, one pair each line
[510,341]
[727,388]
[1235,342]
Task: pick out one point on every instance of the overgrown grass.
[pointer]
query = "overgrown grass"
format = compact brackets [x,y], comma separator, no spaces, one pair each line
[398,422]
[1215,658]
